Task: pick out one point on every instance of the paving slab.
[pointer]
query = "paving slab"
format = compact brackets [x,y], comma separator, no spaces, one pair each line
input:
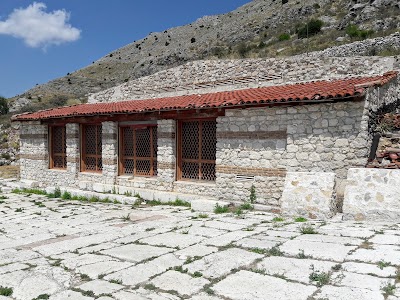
[361,281]
[319,250]
[195,250]
[100,287]
[245,285]
[346,293]
[69,295]
[142,272]
[221,263]
[103,268]
[386,253]
[136,253]
[173,240]
[292,268]
[187,284]
[227,238]
[363,268]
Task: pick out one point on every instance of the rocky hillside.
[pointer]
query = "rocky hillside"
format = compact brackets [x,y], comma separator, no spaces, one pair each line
[261,28]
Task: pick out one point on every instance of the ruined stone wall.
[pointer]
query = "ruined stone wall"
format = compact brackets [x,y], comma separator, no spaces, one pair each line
[201,77]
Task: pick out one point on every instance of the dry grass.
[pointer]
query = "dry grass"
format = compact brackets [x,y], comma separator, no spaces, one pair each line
[9,171]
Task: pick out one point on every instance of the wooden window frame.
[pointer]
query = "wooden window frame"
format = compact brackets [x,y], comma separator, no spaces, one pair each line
[97,156]
[52,143]
[200,161]
[122,157]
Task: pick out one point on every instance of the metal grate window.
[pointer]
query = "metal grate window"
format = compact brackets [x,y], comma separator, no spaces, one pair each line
[91,148]
[138,150]
[197,150]
[58,148]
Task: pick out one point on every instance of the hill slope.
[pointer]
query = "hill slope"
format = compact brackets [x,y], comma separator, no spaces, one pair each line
[261,28]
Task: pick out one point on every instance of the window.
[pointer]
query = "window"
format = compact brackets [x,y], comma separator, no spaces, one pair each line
[197,150]
[58,148]
[91,148]
[138,150]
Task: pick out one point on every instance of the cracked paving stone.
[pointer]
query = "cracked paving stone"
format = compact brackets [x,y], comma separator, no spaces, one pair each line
[136,253]
[195,250]
[347,293]
[187,284]
[329,239]
[325,251]
[227,238]
[385,253]
[66,295]
[361,281]
[85,259]
[218,264]
[385,239]
[245,285]
[256,243]
[292,268]
[99,287]
[173,239]
[102,268]
[142,272]
[13,267]
[362,268]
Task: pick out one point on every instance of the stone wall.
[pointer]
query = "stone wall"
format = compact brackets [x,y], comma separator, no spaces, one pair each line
[200,77]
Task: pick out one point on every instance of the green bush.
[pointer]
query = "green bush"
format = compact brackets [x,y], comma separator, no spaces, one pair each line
[284,37]
[3,106]
[311,28]
[354,32]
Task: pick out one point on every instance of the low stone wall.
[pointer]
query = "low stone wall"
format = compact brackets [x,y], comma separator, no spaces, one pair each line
[201,77]
[372,194]
[309,194]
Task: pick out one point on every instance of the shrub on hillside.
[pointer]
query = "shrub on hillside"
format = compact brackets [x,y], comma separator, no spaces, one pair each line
[284,37]
[311,28]
[354,32]
[3,106]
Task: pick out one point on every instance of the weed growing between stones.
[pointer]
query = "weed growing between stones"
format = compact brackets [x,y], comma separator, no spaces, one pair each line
[197,274]
[308,229]
[19,209]
[29,191]
[274,251]
[221,209]
[320,278]
[126,218]
[116,281]
[85,277]
[388,289]
[150,287]
[300,219]
[246,206]
[5,291]
[190,259]
[42,296]
[383,264]
[202,216]
[337,267]
[278,219]
[301,255]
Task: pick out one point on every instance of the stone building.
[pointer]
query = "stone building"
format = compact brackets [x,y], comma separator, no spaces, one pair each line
[213,129]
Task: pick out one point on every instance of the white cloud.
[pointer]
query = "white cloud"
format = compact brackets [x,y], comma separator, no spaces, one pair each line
[38,28]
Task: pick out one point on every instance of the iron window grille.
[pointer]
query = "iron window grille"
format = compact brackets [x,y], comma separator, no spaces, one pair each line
[91,160]
[197,147]
[138,150]
[58,147]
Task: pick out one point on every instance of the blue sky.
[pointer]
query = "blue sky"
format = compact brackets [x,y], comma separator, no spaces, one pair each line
[46,39]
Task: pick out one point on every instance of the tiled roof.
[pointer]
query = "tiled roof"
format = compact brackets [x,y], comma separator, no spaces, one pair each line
[309,91]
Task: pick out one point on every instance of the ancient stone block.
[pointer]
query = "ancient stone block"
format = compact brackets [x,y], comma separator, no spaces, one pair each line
[309,194]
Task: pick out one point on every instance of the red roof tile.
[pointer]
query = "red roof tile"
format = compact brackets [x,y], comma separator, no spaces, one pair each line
[312,91]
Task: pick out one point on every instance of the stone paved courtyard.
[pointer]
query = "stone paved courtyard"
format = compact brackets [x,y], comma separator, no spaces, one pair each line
[56,249]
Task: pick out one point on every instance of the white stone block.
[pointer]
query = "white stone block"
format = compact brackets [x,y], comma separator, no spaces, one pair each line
[85,185]
[309,194]
[102,188]
[29,183]
[372,194]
